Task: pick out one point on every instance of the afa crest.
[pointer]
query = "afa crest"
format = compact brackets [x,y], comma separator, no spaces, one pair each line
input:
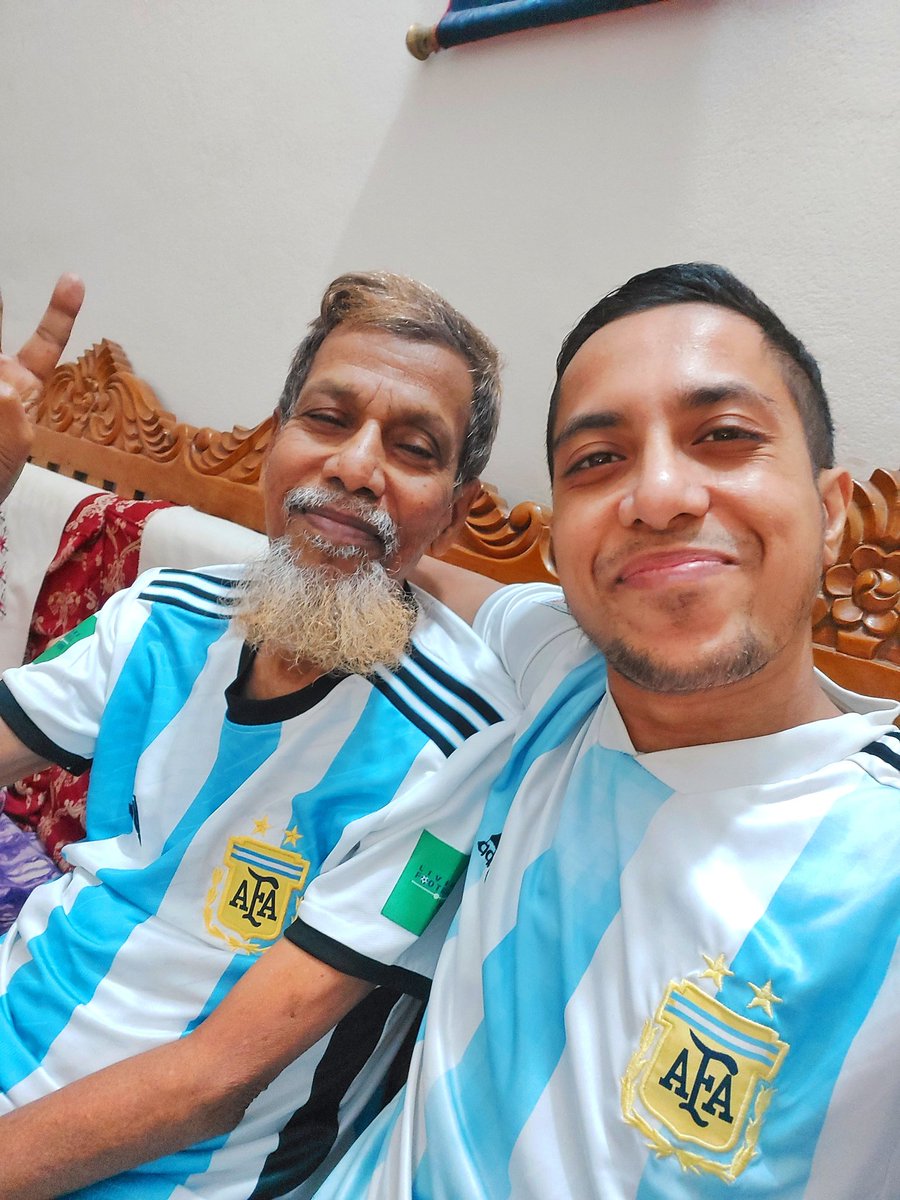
[251,899]
[697,1085]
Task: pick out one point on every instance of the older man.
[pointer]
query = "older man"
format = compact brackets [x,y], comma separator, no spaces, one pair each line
[675,970]
[280,748]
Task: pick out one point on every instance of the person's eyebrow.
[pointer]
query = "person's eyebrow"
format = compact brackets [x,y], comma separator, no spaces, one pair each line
[586,422]
[707,397]
[332,388]
[694,398]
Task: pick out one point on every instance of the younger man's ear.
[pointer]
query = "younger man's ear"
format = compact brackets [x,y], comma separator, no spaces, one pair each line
[835,489]
[455,517]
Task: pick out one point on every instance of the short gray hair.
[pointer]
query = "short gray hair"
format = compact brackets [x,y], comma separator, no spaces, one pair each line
[408,309]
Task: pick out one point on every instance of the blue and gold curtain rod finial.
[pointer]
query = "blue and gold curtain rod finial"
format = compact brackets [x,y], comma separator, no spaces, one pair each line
[421,41]
[471,20]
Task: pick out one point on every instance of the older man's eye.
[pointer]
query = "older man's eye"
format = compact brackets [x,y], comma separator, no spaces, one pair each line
[418,450]
[324,417]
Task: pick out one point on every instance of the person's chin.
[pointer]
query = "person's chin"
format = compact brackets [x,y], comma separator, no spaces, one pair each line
[330,559]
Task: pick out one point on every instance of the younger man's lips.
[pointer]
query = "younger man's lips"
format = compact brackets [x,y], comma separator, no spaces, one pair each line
[672,566]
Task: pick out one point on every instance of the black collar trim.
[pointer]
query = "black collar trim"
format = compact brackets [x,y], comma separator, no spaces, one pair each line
[244,710]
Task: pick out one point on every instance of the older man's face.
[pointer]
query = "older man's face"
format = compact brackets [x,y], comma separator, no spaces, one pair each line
[689,529]
[376,434]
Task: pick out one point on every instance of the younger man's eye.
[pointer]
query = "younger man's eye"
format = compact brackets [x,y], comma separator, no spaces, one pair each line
[597,458]
[732,433]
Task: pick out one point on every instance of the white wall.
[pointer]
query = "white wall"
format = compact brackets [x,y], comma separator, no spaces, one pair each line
[208,165]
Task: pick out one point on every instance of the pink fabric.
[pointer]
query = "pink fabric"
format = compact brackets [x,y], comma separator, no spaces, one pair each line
[3,550]
[97,556]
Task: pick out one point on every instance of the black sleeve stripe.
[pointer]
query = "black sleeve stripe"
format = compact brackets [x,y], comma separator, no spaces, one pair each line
[188,589]
[180,572]
[34,738]
[351,962]
[877,750]
[443,744]
[193,608]
[465,693]
[450,715]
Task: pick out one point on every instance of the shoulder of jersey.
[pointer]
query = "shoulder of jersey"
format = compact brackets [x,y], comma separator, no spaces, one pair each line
[881,758]
[445,708]
[199,592]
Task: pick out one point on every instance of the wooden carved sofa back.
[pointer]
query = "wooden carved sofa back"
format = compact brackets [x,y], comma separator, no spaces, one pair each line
[100,423]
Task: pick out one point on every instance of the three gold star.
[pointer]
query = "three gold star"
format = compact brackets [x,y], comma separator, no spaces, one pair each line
[715,970]
[764,997]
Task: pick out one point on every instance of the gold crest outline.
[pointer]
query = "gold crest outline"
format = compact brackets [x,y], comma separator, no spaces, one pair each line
[689,1160]
[219,876]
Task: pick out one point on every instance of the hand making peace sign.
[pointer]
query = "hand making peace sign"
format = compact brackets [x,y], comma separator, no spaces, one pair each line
[23,376]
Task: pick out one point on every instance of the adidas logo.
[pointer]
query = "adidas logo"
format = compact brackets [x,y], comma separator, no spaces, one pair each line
[488,848]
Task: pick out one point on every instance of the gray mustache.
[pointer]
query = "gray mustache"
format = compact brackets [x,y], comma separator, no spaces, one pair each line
[310,499]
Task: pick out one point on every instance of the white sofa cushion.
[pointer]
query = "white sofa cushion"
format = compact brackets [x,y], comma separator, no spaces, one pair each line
[34,516]
[184,537]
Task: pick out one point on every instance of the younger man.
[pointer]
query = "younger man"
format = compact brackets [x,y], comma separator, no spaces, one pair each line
[674,974]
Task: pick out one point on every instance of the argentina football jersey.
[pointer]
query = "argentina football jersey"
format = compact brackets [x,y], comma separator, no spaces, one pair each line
[673,975]
[216,824]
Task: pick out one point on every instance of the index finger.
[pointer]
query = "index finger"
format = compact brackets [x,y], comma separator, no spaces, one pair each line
[43,350]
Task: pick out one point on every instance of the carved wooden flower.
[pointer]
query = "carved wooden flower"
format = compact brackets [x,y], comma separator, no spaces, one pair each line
[865,591]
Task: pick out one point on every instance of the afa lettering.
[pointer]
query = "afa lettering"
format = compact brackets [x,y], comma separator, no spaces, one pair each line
[258,905]
[718,1091]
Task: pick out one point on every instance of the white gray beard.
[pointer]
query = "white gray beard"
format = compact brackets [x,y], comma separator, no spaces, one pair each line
[321,616]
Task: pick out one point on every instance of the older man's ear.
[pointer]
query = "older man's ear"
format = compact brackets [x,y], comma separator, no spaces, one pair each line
[455,517]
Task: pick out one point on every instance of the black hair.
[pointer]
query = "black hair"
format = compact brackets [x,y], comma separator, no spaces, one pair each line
[707,283]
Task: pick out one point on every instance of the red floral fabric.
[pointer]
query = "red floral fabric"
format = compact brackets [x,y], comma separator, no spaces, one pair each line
[97,556]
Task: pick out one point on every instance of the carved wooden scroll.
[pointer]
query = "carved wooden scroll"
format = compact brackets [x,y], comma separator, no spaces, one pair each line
[510,546]
[100,423]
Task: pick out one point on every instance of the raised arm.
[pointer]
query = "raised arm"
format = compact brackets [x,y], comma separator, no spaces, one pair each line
[23,376]
[192,1089]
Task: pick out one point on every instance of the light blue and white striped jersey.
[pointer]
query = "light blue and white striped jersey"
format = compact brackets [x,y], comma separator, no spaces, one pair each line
[673,976]
[215,822]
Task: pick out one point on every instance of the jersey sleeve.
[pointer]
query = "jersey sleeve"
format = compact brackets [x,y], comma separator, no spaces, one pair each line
[54,704]
[529,628]
[381,906]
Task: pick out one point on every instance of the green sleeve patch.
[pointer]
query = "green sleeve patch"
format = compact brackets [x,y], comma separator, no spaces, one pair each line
[426,882]
[85,629]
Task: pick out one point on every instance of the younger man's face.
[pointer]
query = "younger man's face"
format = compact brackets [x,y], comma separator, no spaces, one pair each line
[689,529]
